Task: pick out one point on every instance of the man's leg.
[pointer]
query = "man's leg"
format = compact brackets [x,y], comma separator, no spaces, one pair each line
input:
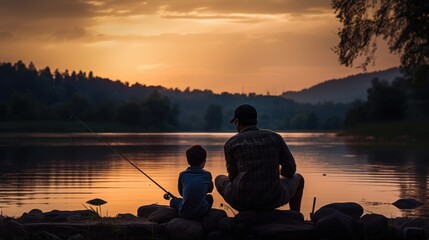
[294,187]
[295,201]
[223,186]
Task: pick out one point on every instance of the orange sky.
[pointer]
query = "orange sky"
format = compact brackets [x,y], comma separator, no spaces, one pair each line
[222,45]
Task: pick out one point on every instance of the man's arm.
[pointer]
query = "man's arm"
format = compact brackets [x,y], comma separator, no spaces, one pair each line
[287,161]
[231,165]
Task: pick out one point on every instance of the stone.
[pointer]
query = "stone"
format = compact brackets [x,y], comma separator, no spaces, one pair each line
[35,215]
[375,225]
[285,231]
[280,216]
[76,237]
[47,236]
[414,233]
[407,203]
[145,211]
[227,225]
[140,230]
[337,225]
[210,221]
[401,224]
[219,235]
[157,213]
[216,235]
[184,229]
[126,216]
[10,229]
[323,212]
[163,215]
[351,209]
[61,230]
[247,217]
[64,216]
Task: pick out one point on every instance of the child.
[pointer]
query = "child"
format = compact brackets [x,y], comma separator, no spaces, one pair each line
[194,184]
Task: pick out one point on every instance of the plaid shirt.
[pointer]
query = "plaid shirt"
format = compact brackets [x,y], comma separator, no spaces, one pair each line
[253,157]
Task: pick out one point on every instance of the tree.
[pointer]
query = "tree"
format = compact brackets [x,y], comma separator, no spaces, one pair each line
[213,118]
[403,24]
[312,121]
[386,102]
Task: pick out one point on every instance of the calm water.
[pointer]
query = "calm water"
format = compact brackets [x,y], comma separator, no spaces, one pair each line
[63,171]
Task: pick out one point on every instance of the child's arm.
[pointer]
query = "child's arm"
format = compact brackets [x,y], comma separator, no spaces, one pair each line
[210,186]
[180,185]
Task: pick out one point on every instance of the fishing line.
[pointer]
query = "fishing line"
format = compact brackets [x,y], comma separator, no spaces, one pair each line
[167,194]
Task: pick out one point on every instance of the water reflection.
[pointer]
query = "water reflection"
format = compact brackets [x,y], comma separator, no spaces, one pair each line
[62,171]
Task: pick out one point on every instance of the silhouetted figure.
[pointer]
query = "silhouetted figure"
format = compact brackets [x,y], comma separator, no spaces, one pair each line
[253,156]
[194,184]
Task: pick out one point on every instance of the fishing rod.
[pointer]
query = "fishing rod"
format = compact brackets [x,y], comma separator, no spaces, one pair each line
[167,194]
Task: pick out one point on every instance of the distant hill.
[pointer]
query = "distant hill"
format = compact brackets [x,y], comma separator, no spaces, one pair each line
[342,90]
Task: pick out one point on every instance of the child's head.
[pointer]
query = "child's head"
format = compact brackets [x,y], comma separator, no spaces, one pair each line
[196,155]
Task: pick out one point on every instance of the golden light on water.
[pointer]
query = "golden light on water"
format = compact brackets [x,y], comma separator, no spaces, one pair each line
[67,175]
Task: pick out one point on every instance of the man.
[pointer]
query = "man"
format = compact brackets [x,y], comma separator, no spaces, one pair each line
[253,157]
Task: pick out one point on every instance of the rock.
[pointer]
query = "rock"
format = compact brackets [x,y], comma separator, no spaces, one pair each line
[227,225]
[351,209]
[184,229]
[337,225]
[47,236]
[35,215]
[141,230]
[323,212]
[60,230]
[280,216]
[414,233]
[401,224]
[247,217]
[211,220]
[407,203]
[126,216]
[157,213]
[285,231]
[163,215]
[145,211]
[216,235]
[375,225]
[219,235]
[76,237]
[10,229]
[64,216]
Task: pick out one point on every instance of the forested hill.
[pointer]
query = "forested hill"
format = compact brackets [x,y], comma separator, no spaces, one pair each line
[28,94]
[342,90]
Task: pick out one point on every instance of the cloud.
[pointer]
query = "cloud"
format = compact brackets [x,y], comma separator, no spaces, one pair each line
[39,9]
[5,35]
[70,34]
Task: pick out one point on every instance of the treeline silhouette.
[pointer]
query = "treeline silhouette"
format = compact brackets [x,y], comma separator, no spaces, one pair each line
[406,98]
[28,94]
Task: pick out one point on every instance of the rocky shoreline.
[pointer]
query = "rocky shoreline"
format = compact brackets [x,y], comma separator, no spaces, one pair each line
[332,221]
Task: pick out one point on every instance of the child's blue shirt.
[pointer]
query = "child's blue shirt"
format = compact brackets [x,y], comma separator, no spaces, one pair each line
[194,184]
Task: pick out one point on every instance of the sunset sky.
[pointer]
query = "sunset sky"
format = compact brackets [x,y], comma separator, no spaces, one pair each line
[222,45]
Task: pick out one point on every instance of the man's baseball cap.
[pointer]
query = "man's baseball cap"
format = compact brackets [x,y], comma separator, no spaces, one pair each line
[245,113]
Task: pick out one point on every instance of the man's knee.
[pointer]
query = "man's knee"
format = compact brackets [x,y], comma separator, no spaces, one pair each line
[300,179]
[221,182]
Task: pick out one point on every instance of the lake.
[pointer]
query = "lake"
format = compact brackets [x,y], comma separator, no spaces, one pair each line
[63,171]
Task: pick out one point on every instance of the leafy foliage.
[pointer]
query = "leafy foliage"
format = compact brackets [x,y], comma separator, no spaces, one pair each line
[403,24]
[28,94]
